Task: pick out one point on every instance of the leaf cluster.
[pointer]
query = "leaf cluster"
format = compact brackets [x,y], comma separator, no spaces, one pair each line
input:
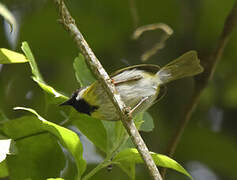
[50,150]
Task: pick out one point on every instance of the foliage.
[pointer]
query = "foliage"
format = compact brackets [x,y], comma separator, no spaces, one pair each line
[109,137]
[210,137]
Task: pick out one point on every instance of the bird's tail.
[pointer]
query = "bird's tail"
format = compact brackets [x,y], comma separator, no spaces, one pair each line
[186,65]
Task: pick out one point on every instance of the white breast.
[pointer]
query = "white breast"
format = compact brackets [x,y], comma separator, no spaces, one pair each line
[133,91]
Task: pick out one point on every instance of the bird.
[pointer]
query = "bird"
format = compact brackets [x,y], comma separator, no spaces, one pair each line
[140,86]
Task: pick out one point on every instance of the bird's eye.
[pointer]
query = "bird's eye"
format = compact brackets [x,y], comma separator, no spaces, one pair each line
[74,95]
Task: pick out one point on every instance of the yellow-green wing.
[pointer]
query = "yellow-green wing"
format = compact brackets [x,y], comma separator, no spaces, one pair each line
[147,67]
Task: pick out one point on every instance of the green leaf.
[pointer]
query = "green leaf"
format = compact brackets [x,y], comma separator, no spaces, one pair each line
[138,120]
[8,57]
[116,136]
[92,128]
[128,168]
[8,16]
[131,155]
[68,138]
[5,145]
[35,71]
[148,124]
[54,96]
[121,135]
[83,73]
[55,179]
[3,169]
[41,154]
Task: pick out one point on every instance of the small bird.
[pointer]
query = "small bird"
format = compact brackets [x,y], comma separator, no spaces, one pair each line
[140,86]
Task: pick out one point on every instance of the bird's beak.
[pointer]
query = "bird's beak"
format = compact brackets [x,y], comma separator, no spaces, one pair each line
[68,102]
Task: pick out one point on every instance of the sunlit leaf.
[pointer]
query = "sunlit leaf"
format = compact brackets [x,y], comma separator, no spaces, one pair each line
[35,71]
[83,73]
[57,97]
[68,138]
[131,155]
[8,57]
[54,96]
[5,145]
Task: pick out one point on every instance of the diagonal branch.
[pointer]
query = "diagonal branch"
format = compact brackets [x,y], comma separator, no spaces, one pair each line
[202,80]
[102,76]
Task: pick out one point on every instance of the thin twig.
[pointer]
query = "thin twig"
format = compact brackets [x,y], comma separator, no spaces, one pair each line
[202,80]
[110,89]
[168,31]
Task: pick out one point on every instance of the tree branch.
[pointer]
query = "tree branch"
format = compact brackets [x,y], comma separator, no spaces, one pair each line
[104,79]
[202,80]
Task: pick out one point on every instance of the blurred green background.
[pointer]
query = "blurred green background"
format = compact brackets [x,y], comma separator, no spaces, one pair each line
[208,147]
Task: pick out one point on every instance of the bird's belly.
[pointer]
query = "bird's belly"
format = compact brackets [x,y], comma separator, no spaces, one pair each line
[131,93]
